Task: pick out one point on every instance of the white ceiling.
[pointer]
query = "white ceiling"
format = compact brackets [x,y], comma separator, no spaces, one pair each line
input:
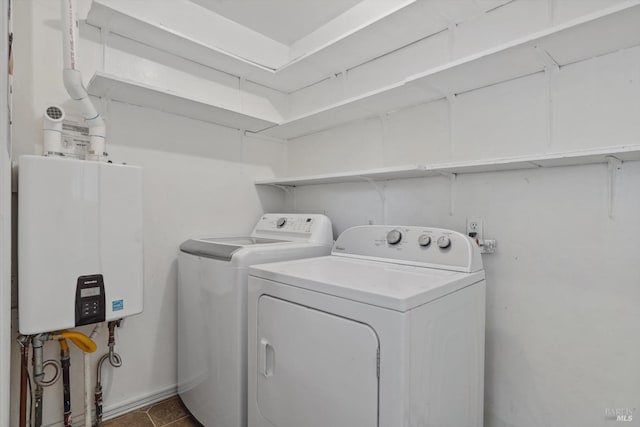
[285,21]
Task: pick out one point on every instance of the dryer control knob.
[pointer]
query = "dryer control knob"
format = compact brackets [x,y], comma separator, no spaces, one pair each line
[394,237]
[281,222]
[444,242]
[424,240]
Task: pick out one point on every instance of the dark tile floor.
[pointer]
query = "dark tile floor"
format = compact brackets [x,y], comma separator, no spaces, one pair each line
[168,413]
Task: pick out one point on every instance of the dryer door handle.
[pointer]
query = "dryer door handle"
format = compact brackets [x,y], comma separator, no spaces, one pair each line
[267,358]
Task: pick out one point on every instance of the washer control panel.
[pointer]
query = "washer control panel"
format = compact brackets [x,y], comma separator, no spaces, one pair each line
[444,242]
[424,240]
[293,223]
[314,228]
[421,246]
[394,237]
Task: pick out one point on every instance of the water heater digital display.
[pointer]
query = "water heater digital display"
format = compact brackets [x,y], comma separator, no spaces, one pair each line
[90,305]
[90,292]
[79,243]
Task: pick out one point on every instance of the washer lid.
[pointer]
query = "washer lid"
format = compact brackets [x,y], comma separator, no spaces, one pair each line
[223,248]
[383,284]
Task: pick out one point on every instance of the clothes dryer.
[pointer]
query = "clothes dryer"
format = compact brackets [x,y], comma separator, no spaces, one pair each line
[387,331]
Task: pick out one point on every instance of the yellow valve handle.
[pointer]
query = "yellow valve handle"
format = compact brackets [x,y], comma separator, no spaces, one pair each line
[81,341]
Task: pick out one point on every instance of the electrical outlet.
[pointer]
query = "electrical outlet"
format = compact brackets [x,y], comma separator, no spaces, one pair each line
[475,229]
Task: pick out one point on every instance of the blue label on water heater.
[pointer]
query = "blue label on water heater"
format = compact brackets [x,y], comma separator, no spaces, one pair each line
[117,305]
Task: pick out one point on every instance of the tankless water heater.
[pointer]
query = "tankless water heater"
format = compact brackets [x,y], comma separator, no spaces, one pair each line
[79,243]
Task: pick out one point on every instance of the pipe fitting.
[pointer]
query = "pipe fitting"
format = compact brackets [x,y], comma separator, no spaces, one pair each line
[114,359]
[72,79]
[73,83]
[38,363]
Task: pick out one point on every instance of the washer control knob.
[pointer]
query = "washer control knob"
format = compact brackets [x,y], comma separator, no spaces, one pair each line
[424,240]
[394,237]
[444,242]
[281,222]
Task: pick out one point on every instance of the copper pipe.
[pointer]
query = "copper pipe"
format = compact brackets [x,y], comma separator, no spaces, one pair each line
[24,359]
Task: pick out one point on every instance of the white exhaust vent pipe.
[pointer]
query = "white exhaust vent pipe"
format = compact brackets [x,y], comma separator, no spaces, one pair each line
[52,129]
[73,81]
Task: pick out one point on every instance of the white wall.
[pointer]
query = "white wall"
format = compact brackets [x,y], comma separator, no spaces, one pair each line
[470,31]
[562,290]
[5,221]
[562,285]
[588,104]
[198,180]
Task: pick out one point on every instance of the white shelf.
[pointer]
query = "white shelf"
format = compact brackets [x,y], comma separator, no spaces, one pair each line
[342,51]
[119,89]
[569,158]
[399,172]
[590,36]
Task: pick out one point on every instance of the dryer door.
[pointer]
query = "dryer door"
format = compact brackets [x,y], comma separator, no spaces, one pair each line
[315,369]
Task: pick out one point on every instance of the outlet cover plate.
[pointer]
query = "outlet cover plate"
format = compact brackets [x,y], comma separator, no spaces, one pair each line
[475,228]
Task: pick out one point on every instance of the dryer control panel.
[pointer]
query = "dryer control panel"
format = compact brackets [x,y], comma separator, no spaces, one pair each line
[420,246]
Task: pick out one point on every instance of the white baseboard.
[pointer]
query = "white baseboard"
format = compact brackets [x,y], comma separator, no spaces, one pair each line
[121,408]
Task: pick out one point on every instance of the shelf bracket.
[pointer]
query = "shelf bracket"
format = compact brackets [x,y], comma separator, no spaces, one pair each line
[383,198]
[551,68]
[289,191]
[547,60]
[242,83]
[286,188]
[614,167]
[552,11]
[242,133]
[384,137]
[452,189]
[429,89]
[451,101]
[345,82]
[453,29]
[428,12]
[104,35]
[105,107]
[258,135]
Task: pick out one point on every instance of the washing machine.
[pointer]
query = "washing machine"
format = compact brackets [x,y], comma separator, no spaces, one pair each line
[212,309]
[387,331]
